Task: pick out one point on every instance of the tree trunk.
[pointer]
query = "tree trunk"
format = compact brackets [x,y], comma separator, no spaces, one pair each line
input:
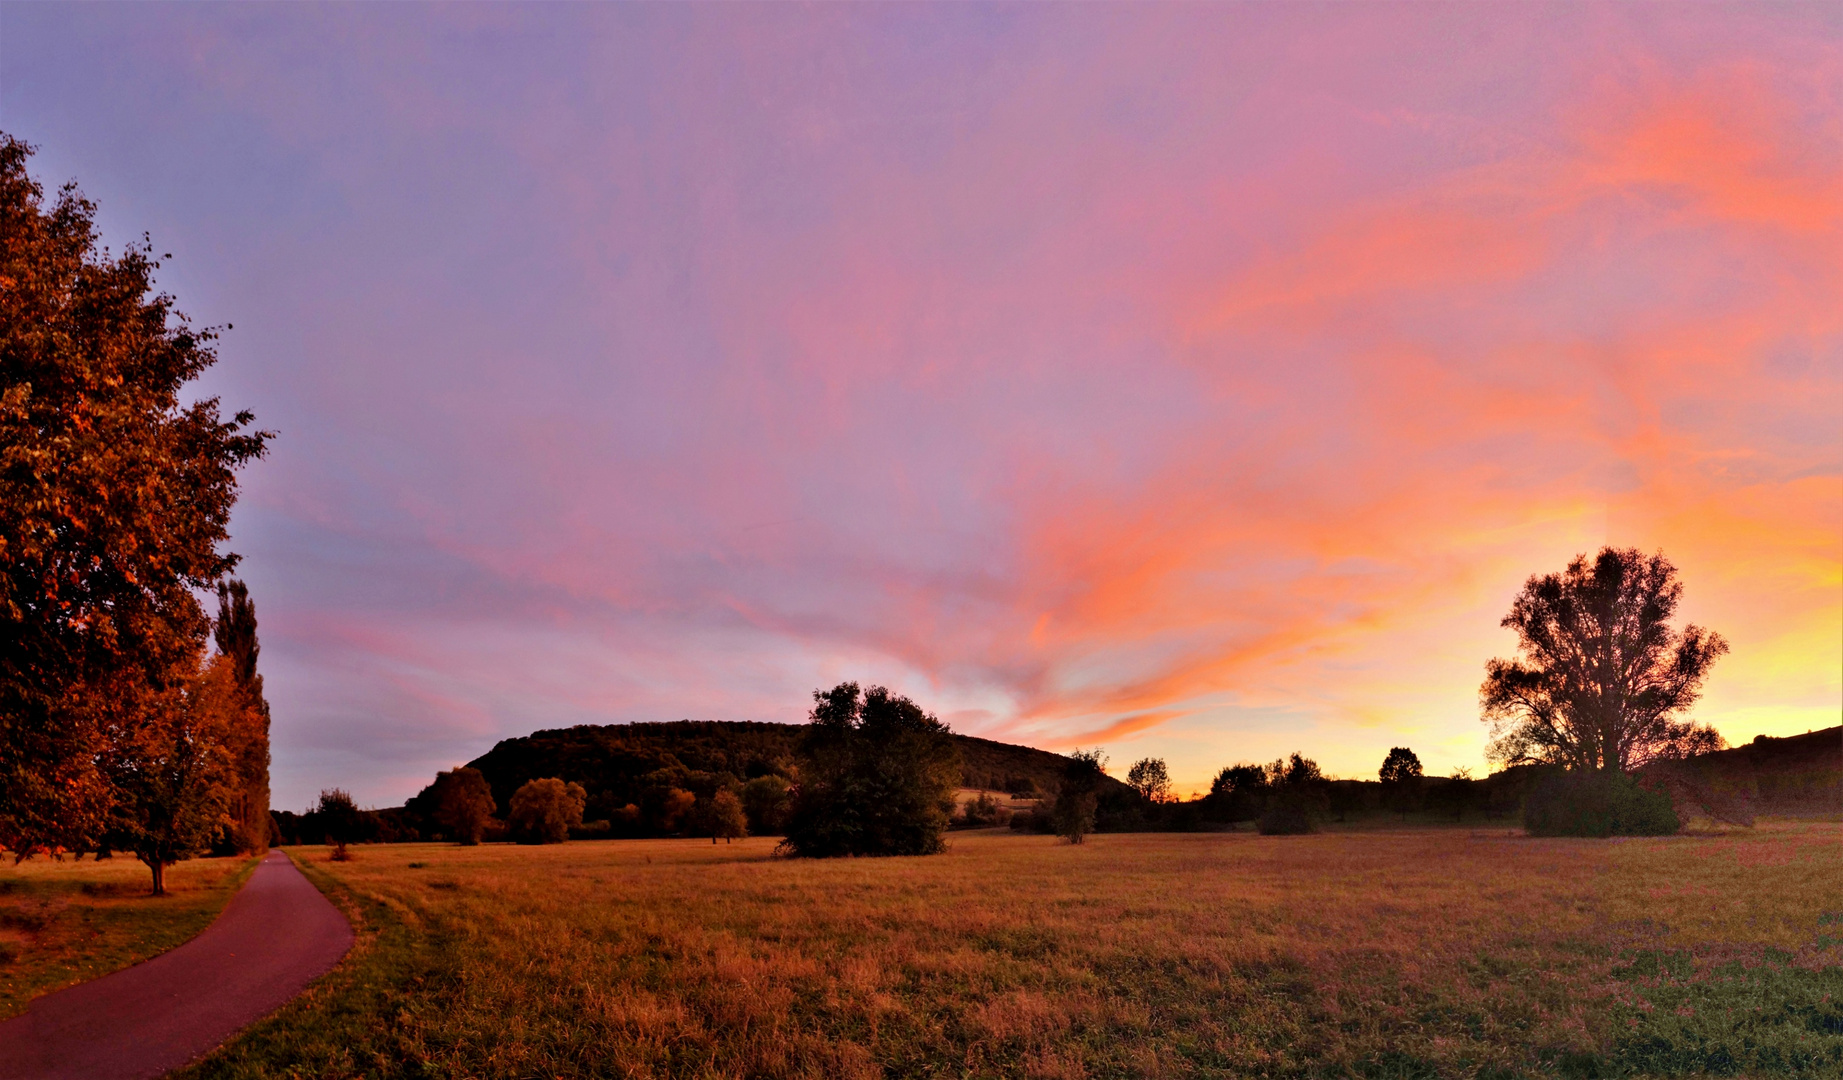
[159,878]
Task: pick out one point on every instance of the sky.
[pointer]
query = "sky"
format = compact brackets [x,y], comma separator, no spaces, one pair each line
[1198,382]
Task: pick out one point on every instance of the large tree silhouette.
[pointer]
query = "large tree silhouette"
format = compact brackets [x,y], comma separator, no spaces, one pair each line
[1602,680]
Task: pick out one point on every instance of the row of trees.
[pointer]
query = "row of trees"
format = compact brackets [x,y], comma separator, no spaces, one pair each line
[119,729]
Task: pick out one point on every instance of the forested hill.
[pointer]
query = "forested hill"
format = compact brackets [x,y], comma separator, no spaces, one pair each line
[617,763]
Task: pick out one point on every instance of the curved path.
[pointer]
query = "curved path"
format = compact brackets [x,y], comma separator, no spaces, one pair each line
[277,935]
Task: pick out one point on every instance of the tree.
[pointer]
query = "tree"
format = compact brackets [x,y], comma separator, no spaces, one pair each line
[115,495]
[1238,792]
[721,815]
[1602,678]
[342,820]
[544,811]
[248,736]
[765,800]
[170,774]
[1150,779]
[877,777]
[460,802]
[1401,780]
[1079,795]
[1297,796]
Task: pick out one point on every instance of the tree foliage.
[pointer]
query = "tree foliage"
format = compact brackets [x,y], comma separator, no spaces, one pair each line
[247,736]
[342,820]
[544,811]
[1079,795]
[877,777]
[1401,780]
[1150,779]
[765,801]
[459,803]
[114,498]
[1602,678]
[722,816]
[1296,796]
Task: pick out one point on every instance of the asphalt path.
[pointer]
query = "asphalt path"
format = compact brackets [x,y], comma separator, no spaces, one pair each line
[274,937]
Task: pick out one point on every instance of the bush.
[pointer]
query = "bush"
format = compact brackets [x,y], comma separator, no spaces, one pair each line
[1596,803]
[1285,817]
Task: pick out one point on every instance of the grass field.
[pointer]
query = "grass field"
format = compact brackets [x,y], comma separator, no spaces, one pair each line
[1412,953]
[63,922]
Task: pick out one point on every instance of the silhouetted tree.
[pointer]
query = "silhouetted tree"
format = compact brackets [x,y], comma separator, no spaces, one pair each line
[1602,676]
[877,777]
[341,819]
[544,811]
[1296,796]
[1457,794]
[460,803]
[765,800]
[248,736]
[721,815]
[1238,792]
[1150,779]
[115,495]
[1076,800]
[1401,780]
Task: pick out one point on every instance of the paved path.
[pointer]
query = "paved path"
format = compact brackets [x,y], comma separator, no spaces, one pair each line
[277,935]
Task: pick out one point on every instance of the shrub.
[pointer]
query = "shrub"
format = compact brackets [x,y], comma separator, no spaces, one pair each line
[1285,817]
[1073,813]
[1596,803]
[544,811]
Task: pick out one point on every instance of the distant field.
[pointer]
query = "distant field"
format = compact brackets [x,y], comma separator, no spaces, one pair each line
[70,921]
[1415,953]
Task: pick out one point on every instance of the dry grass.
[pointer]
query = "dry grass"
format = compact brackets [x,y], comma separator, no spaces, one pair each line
[62,922]
[1412,953]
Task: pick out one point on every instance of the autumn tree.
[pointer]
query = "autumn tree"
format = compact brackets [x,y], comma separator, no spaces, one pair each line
[877,777]
[1150,779]
[248,733]
[544,811]
[1079,795]
[460,803]
[721,815]
[115,496]
[172,775]
[1602,680]
[1401,780]
[341,819]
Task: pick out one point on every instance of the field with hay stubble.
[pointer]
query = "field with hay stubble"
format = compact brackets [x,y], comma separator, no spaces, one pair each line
[1413,953]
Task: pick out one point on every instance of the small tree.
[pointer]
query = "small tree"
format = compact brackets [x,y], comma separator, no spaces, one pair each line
[877,777]
[765,800]
[1238,792]
[721,815]
[1401,780]
[462,804]
[544,811]
[1150,779]
[1079,795]
[342,820]
[172,775]
[1603,678]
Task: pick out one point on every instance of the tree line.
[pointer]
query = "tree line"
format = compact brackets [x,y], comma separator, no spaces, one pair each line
[120,727]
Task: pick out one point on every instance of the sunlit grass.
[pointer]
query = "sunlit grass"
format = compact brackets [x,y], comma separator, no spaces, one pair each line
[63,922]
[1413,953]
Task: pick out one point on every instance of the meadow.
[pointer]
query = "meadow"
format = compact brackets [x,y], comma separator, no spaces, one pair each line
[64,921]
[1419,952]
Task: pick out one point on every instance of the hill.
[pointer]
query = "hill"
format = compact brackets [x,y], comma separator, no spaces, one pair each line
[619,764]
[1796,776]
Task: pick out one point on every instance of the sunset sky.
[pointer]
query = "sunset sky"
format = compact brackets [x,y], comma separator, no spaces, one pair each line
[1198,382]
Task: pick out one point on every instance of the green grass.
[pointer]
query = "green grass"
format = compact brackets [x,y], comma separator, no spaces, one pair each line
[1418,953]
[64,922]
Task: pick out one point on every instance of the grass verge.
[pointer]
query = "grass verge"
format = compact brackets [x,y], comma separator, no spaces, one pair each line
[65,922]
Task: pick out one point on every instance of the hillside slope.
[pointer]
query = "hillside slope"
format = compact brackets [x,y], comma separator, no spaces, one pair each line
[1797,776]
[617,764]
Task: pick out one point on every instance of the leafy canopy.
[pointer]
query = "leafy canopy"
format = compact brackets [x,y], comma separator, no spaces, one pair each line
[1602,678]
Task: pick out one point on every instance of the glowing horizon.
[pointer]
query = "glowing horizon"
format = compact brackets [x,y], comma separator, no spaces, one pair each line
[1198,383]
